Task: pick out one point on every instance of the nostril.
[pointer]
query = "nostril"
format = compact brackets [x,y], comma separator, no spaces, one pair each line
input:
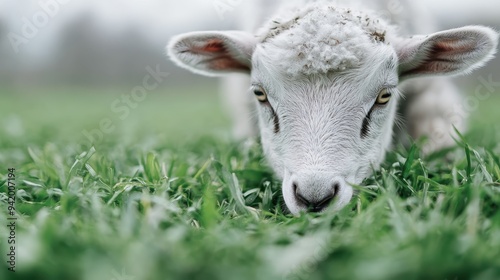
[336,188]
[301,199]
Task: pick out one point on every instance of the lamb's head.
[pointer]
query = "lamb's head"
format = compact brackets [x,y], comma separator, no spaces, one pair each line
[325,80]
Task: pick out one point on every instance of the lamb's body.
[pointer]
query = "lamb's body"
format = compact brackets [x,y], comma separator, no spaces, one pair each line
[327,76]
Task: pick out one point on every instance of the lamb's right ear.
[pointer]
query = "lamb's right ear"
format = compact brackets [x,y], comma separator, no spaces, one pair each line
[213,53]
[451,52]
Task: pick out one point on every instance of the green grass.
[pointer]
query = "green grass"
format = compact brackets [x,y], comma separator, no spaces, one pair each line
[164,197]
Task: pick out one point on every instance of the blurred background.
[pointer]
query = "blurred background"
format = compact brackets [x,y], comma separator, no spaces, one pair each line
[69,61]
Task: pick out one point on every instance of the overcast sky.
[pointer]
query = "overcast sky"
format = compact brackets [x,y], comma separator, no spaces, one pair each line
[172,14]
[158,19]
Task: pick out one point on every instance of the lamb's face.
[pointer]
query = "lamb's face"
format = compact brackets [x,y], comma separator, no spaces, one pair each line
[325,83]
[323,132]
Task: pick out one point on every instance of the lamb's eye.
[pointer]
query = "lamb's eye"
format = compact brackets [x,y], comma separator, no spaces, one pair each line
[260,93]
[384,97]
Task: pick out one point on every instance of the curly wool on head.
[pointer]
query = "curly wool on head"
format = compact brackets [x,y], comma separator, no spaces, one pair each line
[318,39]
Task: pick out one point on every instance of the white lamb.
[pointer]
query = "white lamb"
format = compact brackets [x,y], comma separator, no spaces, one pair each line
[327,78]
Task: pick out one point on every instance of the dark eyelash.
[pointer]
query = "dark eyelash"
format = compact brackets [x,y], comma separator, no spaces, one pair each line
[366,124]
[275,119]
[365,129]
[276,122]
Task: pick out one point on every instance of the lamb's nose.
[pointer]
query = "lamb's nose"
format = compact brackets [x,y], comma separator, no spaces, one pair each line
[315,201]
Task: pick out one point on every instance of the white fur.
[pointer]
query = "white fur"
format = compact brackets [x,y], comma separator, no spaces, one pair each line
[323,64]
[318,39]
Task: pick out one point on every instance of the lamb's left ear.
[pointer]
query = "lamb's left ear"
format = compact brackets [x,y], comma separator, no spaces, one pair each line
[451,52]
[213,53]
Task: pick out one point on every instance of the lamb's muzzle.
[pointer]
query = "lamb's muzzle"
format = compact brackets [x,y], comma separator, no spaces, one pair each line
[315,192]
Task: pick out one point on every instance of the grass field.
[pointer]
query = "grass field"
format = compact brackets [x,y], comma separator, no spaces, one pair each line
[166,195]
